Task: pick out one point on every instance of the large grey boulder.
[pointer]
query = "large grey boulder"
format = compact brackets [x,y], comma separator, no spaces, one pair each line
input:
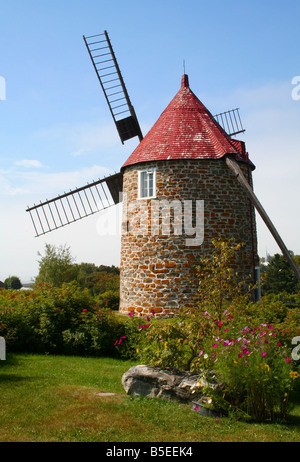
[154,382]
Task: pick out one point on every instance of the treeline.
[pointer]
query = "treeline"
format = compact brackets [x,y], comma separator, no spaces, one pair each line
[12,282]
[277,275]
[57,267]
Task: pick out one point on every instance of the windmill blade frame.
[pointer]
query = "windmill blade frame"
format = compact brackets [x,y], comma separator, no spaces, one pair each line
[76,204]
[230,121]
[113,86]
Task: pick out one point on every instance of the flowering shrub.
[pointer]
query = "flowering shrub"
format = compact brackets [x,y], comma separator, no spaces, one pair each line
[227,334]
[254,367]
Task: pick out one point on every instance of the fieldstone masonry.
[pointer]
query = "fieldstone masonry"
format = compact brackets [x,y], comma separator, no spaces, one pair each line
[157,270]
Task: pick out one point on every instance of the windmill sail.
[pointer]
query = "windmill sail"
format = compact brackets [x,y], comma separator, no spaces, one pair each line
[230,121]
[113,86]
[74,205]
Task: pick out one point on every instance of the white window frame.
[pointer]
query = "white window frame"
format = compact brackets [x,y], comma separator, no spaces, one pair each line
[140,177]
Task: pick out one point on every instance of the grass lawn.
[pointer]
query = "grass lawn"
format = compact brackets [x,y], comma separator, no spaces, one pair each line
[56,399]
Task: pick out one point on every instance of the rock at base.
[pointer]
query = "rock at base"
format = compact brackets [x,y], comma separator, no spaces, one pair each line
[153,382]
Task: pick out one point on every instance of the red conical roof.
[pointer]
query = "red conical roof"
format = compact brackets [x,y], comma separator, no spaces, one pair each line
[185,130]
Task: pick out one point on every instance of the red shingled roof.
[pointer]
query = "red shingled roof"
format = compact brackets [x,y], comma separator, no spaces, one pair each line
[186,130]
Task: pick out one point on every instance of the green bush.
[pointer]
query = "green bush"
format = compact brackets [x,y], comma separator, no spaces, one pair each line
[57,320]
[109,299]
[96,334]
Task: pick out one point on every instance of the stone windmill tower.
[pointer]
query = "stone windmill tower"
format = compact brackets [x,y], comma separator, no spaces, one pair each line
[186,183]
[179,195]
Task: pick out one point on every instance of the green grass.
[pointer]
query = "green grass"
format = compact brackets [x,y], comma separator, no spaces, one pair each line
[54,399]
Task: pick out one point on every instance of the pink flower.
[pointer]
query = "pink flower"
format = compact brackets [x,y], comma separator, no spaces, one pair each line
[214,354]
[120,340]
[215,345]
[84,310]
[264,353]
[200,353]
[131,313]
[240,355]
[246,352]
[279,344]
[287,359]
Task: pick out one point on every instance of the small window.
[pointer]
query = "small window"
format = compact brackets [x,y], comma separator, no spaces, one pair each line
[147,187]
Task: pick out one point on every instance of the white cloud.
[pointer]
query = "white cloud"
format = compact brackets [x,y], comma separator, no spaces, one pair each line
[31,182]
[8,189]
[82,138]
[64,181]
[28,163]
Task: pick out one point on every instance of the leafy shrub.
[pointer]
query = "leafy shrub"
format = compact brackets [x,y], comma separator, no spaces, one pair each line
[109,299]
[94,335]
[57,320]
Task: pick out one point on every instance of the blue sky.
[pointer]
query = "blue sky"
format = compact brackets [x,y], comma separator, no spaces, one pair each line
[56,132]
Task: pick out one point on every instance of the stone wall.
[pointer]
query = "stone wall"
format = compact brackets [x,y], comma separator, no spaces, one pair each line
[157,269]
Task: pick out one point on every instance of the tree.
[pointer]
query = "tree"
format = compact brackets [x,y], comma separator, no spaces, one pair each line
[56,266]
[12,282]
[279,276]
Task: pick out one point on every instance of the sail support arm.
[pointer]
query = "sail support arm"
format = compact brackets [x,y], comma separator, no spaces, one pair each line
[233,165]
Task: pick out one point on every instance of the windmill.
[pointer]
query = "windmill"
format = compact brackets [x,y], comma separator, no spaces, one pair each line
[94,197]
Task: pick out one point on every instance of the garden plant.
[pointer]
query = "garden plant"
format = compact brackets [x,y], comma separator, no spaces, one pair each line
[245,343]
